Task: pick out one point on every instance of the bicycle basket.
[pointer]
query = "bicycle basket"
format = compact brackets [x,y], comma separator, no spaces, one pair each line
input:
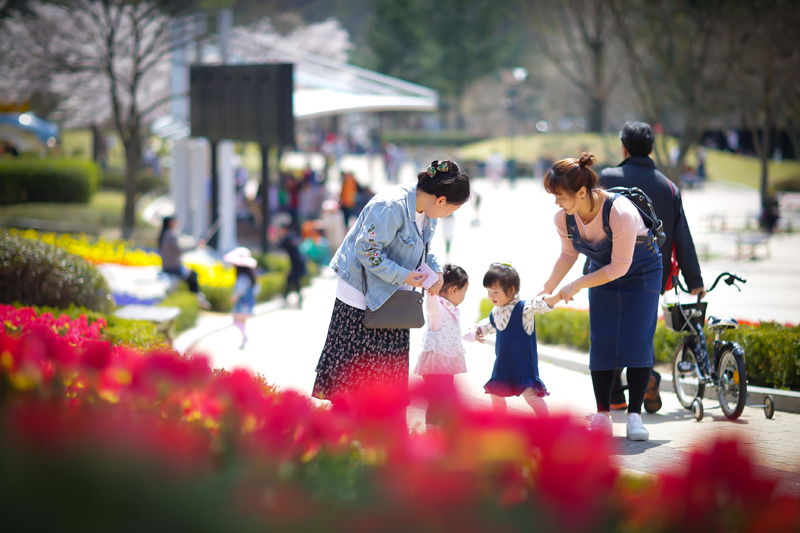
[674,315]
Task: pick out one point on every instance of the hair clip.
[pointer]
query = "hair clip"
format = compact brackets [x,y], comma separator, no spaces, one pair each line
[447,272]
[443,166]
[506,263]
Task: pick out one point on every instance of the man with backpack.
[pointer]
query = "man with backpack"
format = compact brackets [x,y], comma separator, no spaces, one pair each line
[639,170]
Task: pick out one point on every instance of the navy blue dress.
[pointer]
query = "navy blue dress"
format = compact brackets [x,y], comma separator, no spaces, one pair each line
[516,366]
[623,312]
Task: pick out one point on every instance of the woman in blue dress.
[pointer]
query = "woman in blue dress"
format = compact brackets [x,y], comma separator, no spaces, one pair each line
[624,283]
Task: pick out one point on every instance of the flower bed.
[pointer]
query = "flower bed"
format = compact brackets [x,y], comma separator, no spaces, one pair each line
[77,323]
[99,252]
[105,437]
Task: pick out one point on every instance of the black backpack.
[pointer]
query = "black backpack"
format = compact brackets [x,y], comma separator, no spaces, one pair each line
[645,206]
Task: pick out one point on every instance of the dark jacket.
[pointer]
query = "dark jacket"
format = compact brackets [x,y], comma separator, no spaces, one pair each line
[641,172]
[291,243]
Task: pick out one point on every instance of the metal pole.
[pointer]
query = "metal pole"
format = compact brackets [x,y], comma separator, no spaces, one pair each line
[265,214]
[214,194]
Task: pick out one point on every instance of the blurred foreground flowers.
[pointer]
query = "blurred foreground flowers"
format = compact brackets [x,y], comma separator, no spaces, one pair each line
[101,437]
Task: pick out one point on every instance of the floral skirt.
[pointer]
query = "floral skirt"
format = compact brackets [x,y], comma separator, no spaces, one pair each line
[356,358]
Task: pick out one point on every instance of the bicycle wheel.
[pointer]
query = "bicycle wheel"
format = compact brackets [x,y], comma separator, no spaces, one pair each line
[732,388]
[687,383]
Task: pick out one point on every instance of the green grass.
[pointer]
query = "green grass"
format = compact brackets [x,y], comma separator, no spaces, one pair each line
[720,165]
[103,210]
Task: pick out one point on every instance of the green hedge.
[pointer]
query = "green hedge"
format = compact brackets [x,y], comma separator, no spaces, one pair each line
[273,283]
[772,351]
[35,273]
[47,180]
[119,331]
[115,179]
[189,306]
[429,138]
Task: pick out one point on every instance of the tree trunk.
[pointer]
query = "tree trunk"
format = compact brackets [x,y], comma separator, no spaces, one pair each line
[763,158]
[133,156]
[596,112]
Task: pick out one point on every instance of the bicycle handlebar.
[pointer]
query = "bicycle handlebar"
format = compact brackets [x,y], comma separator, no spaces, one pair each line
[730,279]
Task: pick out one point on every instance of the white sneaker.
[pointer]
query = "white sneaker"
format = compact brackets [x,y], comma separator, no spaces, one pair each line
[635,428]
[600,423]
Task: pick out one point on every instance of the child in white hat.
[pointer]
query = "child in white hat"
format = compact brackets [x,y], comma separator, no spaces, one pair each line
[246,288]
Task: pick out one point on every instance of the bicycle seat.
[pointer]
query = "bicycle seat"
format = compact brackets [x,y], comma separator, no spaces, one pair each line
[722,323]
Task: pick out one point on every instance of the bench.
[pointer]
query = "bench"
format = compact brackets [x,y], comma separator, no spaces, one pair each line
[163,317]
[751,241]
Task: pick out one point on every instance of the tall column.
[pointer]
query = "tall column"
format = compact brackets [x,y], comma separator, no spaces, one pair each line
[179,108]
[227,198]
[227,186]
[199,175]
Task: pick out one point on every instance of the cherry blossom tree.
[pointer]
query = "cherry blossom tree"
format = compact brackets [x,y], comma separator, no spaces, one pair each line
[105,59]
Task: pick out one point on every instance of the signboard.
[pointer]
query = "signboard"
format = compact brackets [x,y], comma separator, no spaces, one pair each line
[251,103]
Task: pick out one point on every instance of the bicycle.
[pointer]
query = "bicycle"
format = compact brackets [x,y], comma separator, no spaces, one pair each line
[691,368]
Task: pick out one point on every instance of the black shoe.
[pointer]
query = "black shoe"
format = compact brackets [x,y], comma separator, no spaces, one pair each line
[652,398]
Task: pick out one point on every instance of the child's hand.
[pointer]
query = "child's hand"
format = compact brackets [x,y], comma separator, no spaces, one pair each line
[479,336]
[552,300]
[470,335]
[233,299]
[434,289]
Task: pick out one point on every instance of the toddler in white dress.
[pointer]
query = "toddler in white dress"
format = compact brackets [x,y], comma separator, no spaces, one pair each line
[443,352]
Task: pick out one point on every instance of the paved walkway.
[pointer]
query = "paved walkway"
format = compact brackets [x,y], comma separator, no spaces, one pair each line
[517,225]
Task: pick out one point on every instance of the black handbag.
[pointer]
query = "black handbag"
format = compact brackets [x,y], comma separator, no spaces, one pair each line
[403,309]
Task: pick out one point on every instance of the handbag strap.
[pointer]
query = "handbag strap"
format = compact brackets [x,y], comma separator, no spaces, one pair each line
[413,289]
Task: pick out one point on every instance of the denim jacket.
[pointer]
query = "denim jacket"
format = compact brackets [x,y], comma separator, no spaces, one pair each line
[386,240]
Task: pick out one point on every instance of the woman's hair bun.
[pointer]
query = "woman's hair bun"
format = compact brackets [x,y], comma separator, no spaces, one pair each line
[586,160]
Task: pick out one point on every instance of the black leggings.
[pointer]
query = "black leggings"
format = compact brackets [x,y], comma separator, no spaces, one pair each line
[603,382]
[292,285]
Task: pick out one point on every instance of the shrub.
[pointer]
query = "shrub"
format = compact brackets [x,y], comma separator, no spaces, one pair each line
[218,297]
[115,179]
[47,180]
[36,273]
[772,351]
[429,137]
[485,308]
[791,184]
[190,308]
[272,284]
[772,354]
[564,326]
[273,262]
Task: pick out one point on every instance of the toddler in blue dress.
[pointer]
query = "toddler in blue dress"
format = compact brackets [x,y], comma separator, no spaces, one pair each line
[516,368]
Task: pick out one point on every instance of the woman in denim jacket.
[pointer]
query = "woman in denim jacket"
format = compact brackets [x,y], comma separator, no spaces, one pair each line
[388,240]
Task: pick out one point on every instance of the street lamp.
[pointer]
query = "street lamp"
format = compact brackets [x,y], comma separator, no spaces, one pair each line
[518,74]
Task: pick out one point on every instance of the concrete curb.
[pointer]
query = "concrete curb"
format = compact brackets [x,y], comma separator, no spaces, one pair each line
[787,401]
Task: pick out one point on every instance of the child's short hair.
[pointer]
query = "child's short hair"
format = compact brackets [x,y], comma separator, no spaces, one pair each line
[454,276]
[504,275]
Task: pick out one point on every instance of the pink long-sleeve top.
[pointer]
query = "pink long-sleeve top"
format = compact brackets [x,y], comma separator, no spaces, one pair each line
[626,223]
